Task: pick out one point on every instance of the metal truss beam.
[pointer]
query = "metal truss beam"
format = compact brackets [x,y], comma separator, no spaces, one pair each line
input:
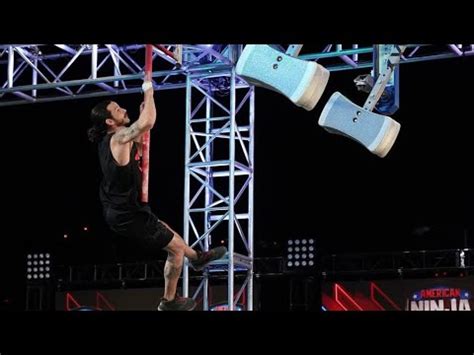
[398,262]
[359,57]
[44,73]
[139,274]
[218,197]
[36,73]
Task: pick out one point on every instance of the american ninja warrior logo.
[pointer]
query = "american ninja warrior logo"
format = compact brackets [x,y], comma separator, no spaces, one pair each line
[440,299]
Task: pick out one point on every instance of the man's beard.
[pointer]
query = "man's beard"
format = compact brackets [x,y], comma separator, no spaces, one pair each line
[126,120]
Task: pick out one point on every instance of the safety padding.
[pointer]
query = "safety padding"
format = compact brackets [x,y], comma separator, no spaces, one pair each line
[303,82]
[376,132]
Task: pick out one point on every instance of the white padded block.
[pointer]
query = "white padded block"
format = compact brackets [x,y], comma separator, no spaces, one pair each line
[376,132]
[303,82]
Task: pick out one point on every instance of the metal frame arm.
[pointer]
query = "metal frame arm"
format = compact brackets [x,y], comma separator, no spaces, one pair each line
[384,77]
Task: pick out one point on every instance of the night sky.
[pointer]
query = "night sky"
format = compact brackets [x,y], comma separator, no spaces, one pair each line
[308,183]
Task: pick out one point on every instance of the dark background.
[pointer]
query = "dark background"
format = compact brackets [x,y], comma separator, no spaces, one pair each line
[307,182]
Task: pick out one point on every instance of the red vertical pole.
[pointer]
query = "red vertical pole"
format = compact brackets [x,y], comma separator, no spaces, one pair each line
[146,136]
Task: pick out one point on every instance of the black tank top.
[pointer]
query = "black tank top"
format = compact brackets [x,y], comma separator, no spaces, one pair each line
[120,188]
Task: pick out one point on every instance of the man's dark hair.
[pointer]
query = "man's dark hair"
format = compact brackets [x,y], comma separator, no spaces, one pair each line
[98,116]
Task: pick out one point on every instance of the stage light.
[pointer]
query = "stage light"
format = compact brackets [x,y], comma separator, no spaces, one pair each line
[225,307]
[300,254]
[85,309]
[38,266]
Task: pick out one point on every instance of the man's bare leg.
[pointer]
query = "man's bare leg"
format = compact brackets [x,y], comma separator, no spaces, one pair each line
[177,249]
[189,252]
[173,266]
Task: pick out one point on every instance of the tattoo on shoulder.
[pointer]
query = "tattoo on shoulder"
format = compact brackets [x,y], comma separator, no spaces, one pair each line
[128,134]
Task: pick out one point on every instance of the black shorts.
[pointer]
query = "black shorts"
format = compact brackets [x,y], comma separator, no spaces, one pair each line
[143,226]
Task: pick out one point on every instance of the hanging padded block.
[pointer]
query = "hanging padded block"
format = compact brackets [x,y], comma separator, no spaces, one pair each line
[303,82]
[374,131]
